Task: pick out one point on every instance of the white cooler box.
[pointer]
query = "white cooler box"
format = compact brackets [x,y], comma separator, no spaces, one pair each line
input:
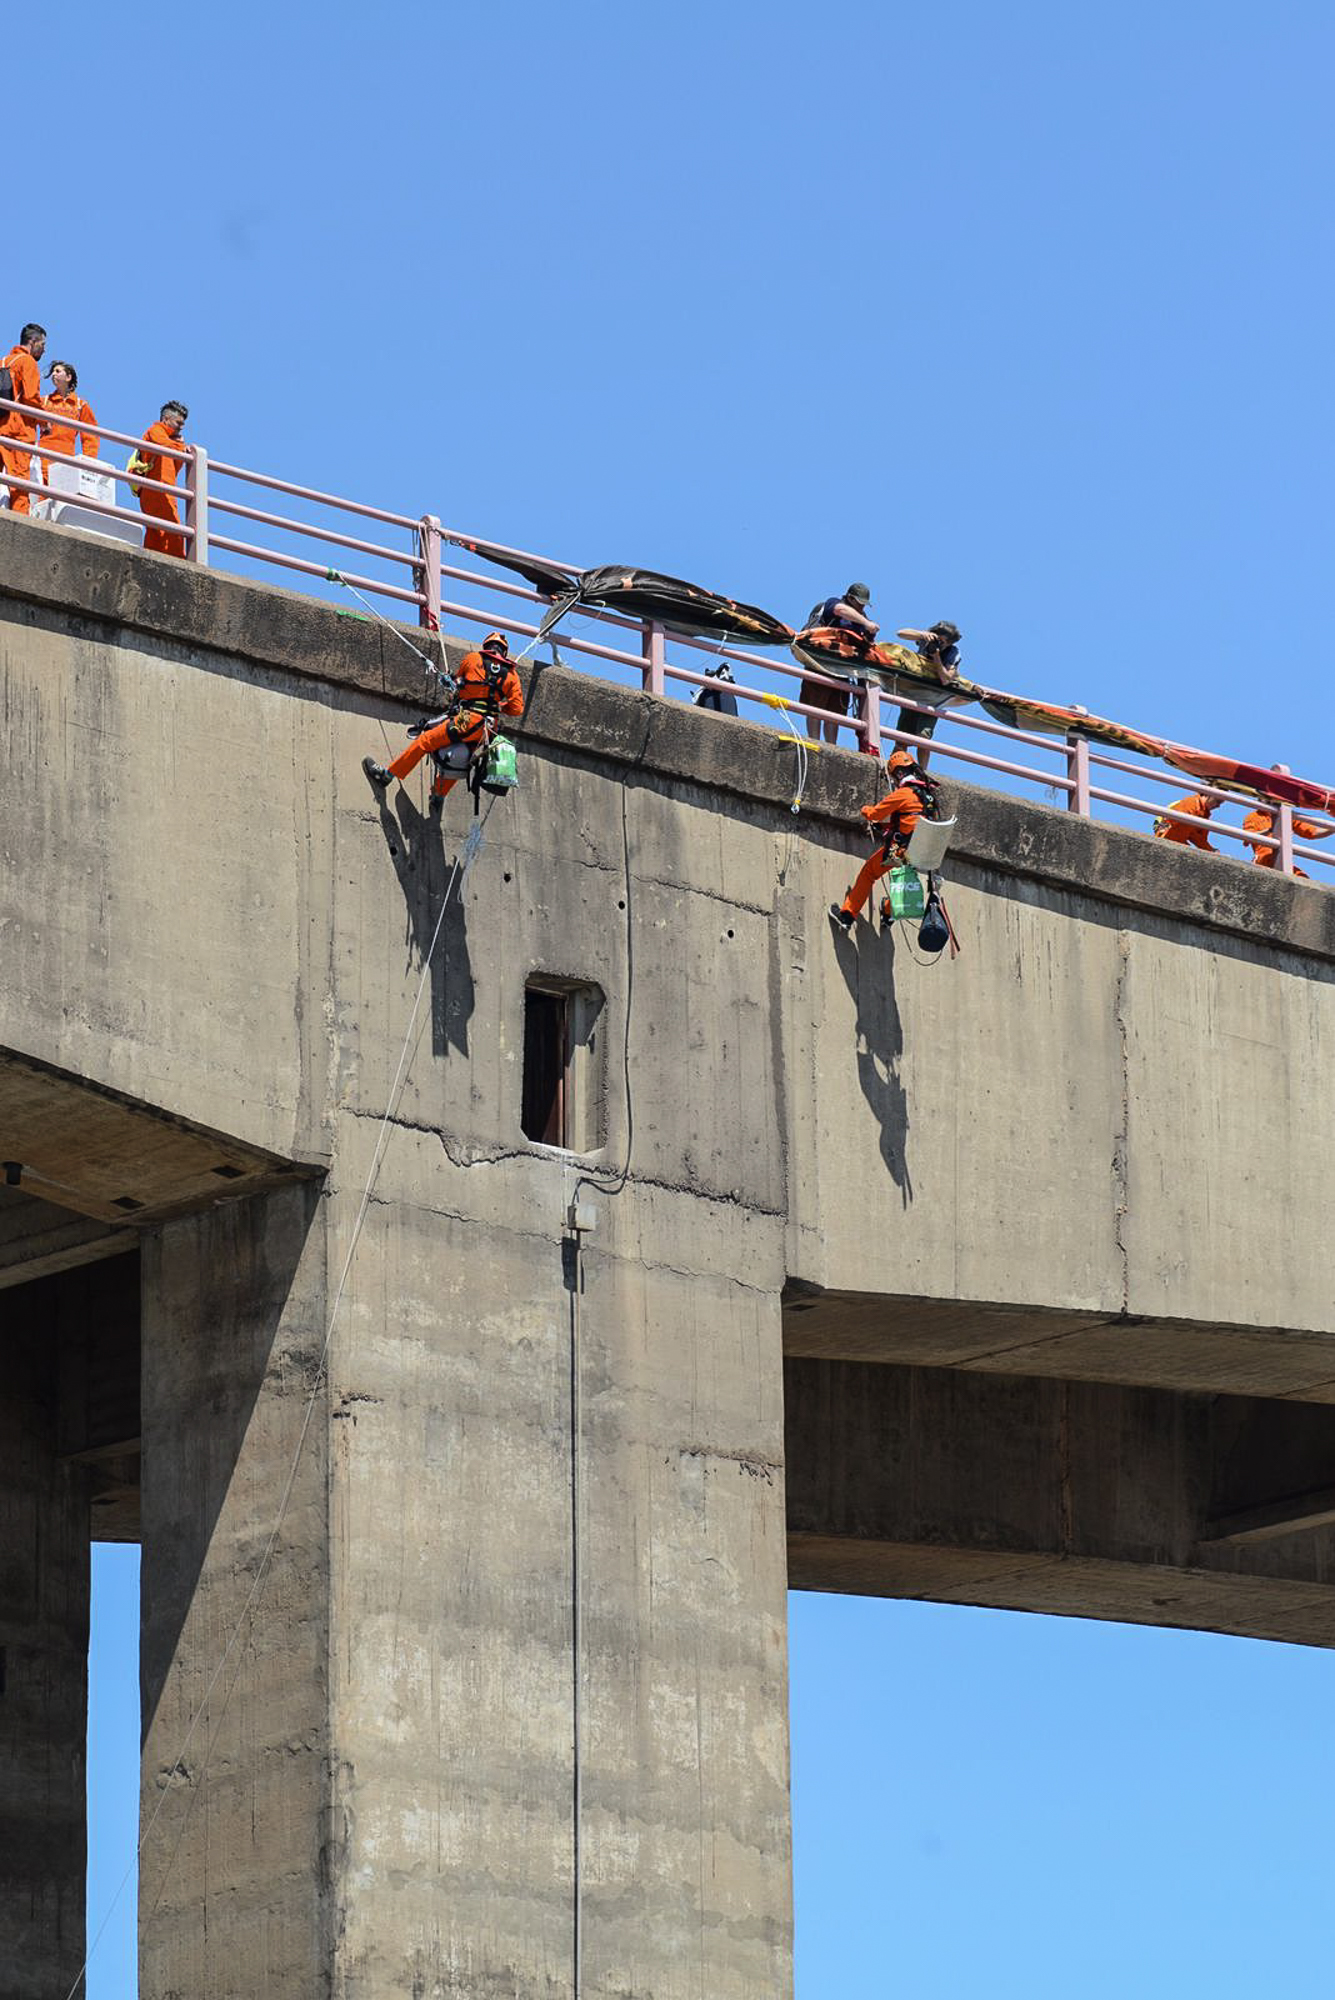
[68,484]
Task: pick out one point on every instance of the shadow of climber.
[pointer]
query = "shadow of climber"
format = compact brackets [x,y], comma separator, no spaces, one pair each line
[425,872]
[880,1045]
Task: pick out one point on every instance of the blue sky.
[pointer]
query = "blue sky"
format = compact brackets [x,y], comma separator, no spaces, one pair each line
[1021,313]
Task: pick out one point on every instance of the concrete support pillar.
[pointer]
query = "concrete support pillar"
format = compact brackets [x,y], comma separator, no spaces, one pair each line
[458,1796]
[231,1897]
[44,1567]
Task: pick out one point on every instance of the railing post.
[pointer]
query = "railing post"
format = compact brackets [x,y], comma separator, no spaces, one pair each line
[1285,838]
[651,645]
[871,718]
[197,503]
[1077,770]
[428,571]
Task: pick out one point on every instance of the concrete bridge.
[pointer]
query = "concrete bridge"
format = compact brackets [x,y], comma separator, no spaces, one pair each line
[463,1653]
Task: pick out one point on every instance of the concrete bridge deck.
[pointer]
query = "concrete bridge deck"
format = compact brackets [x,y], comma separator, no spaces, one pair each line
[1002,1281]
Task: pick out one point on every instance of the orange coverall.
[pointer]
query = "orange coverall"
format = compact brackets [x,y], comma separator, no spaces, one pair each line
[27,389]
[467,721]
[899,812]
[1263,821]
[59,435]
[1188,836]
[161,505]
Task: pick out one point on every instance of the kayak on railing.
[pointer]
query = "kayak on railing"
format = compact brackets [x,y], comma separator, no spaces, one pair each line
[644,594]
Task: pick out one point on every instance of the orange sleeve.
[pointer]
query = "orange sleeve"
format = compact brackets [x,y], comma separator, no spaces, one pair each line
[90,446]
[28,380]
[894,803]
[512,695]
[1309,830]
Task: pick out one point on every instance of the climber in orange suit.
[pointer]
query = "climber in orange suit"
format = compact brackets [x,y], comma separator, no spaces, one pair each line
[63,407]
[487,688]
[1263,821]
[21,361]
[154,464]
[1200,805]
[899,812]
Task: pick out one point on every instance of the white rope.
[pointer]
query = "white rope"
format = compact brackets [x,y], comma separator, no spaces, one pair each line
[472,848]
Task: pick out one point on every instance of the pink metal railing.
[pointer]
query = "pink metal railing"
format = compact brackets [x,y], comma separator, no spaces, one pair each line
[1080,764]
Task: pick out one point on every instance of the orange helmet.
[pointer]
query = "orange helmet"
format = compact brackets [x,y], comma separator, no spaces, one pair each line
[900,760]
[495,642]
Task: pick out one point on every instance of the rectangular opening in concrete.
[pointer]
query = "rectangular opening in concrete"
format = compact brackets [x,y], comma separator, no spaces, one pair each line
[563,1088]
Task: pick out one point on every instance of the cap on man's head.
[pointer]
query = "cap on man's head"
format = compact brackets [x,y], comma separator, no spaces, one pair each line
[858,593]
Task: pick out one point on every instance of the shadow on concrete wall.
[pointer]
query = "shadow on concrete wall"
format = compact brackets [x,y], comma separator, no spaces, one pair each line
[221,1317]
[423,854]
[868,968]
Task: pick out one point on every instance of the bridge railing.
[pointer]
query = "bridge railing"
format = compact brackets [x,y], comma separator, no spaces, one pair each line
[664,663]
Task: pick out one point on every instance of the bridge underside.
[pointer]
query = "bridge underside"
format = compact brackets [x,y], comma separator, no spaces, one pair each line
[988,1456]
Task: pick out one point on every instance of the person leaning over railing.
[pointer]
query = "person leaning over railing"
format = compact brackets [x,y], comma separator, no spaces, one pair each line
[846,614]
[155,464]
[63,404]
[1263,821]
[1199,806]
[939,645]
[26,380]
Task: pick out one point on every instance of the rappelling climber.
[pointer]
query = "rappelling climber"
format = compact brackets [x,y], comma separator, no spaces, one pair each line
[892,820]
[486,688]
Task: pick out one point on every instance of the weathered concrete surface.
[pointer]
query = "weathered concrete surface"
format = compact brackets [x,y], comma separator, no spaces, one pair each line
[232,1884]
[443,1842]
[44,1567]
[1011,1165]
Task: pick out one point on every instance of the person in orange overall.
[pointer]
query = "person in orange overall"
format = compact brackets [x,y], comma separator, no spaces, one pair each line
[63,406]
[1263,821]
[21,361]
[154,464]
[1200,805]
[487,688]
[898,813]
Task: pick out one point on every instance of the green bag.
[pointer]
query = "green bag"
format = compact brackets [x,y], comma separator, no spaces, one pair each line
[905,895]
[500,773]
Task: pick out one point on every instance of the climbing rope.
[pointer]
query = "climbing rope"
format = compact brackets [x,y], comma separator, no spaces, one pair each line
[777,701]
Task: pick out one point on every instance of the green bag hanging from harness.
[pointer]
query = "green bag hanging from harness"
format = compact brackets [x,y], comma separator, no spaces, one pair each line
[905,895]
[500,768]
